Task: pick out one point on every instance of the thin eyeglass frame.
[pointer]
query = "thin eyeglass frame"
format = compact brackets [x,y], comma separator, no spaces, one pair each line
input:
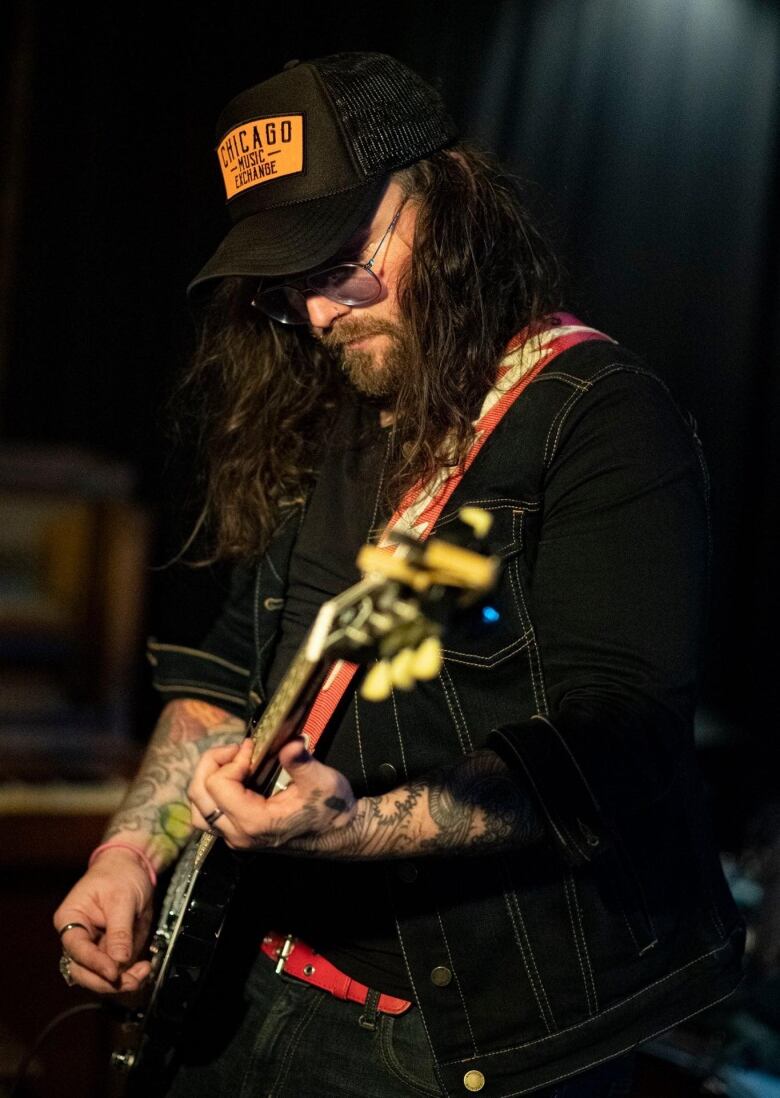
[303,291]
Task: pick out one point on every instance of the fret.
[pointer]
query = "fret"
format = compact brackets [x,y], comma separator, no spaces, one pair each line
[287,695]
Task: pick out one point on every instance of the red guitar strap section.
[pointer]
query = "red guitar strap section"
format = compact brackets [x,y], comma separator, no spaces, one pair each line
[421,506]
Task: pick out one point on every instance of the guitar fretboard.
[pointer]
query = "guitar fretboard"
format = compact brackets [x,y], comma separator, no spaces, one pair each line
[278,710]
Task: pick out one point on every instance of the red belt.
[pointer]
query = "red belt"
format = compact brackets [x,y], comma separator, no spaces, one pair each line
[299,960]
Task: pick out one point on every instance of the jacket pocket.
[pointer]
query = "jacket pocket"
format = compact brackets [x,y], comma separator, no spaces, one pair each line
[491,632]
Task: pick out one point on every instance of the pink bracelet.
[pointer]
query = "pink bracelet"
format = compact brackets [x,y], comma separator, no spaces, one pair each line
[126,846]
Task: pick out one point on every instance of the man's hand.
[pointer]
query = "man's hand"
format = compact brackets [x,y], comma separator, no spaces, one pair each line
[113,901]
[472,806]
[318,799]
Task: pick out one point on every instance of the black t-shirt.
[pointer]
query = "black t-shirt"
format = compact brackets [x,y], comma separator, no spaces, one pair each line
[339,908]
[345,510]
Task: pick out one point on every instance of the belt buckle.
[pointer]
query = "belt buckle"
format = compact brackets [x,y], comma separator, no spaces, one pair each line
[284,951]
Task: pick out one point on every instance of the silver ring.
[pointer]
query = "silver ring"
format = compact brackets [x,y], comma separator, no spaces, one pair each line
[72,926]
[65,962]
[212,817]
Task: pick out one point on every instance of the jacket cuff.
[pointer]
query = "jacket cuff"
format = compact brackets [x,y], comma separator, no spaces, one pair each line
[181,672]
[537,752]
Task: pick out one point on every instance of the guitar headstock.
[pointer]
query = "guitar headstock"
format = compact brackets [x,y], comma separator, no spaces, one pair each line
[397,613]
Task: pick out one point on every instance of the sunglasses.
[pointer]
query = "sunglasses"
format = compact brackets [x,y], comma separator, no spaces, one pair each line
[345,283]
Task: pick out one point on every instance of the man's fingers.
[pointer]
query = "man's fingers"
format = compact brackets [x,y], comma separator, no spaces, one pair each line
[306,772]
[294,755]
[237,767]
[225,786]
[83,947]
[210,763]
[74,934]
[197,817]
[92,958]
[217,825]
[86,976]
[93,968]
[135,976]
[121,914]
[224,753]
[228,767]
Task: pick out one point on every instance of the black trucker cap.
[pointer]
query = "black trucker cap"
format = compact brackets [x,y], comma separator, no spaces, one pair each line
[304,157]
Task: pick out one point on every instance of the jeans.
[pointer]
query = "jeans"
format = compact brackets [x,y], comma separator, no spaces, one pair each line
[296,1041]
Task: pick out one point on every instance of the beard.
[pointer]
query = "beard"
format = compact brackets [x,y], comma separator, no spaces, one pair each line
[373,373]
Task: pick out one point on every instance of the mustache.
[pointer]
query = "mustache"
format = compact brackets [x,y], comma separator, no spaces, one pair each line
[353,328]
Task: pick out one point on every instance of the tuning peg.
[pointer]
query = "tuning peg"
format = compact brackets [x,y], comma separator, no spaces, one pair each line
[479,520]
[378,682]
[401,669]
[427,660]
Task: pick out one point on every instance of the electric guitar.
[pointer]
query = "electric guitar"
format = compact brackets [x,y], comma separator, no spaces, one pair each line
[395,615]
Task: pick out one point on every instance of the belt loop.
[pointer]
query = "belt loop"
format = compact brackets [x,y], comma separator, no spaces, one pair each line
[368,1018]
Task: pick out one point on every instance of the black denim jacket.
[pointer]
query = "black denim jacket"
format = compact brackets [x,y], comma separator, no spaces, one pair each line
[532,965]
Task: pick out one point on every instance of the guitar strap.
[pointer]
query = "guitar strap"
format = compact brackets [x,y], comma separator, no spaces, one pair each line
[420,508]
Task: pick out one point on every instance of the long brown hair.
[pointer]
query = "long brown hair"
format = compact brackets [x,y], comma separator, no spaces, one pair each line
[264,395]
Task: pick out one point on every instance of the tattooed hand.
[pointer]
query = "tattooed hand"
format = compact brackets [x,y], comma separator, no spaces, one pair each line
[317,800]
[469,807]
[111,904]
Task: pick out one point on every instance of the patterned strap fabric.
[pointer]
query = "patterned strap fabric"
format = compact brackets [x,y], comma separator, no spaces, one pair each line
[421,506]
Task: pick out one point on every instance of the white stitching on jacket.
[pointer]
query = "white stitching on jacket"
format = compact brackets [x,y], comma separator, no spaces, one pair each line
[158,646]
[398,733]
[512,906]
[452,712]
[580,941]
[457,981]
[606,1010]
[451,685]
[191,689]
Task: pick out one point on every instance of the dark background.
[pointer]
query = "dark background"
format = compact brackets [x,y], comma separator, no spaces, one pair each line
[650,129]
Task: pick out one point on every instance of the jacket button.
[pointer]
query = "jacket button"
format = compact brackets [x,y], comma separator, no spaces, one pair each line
[473,1080]
[407,872]
[388,775]
[442,976]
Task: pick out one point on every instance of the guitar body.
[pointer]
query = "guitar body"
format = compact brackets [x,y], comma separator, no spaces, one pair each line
[183,948]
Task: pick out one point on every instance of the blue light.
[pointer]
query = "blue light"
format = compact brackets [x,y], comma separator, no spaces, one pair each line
[490,614]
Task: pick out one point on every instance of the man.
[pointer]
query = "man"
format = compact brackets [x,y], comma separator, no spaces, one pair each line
[506,867]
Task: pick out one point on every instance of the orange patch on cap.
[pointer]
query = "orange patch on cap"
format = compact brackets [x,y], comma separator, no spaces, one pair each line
[259,151]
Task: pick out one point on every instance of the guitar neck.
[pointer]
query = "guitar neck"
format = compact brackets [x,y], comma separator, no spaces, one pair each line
[281,719]
[286,711]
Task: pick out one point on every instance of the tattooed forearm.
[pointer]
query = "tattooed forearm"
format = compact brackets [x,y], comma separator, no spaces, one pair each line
[470,807]
[477,804]
[156,808]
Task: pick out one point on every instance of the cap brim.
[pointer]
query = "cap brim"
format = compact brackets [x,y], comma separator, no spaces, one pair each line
[288,239]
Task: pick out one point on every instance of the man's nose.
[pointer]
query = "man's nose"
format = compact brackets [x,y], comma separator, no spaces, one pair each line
[322,311]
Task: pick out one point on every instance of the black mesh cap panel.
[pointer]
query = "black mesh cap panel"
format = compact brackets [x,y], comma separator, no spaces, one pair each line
[391,116]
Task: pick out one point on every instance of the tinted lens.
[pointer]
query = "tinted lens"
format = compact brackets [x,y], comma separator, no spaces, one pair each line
[283,303]
[349,283]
